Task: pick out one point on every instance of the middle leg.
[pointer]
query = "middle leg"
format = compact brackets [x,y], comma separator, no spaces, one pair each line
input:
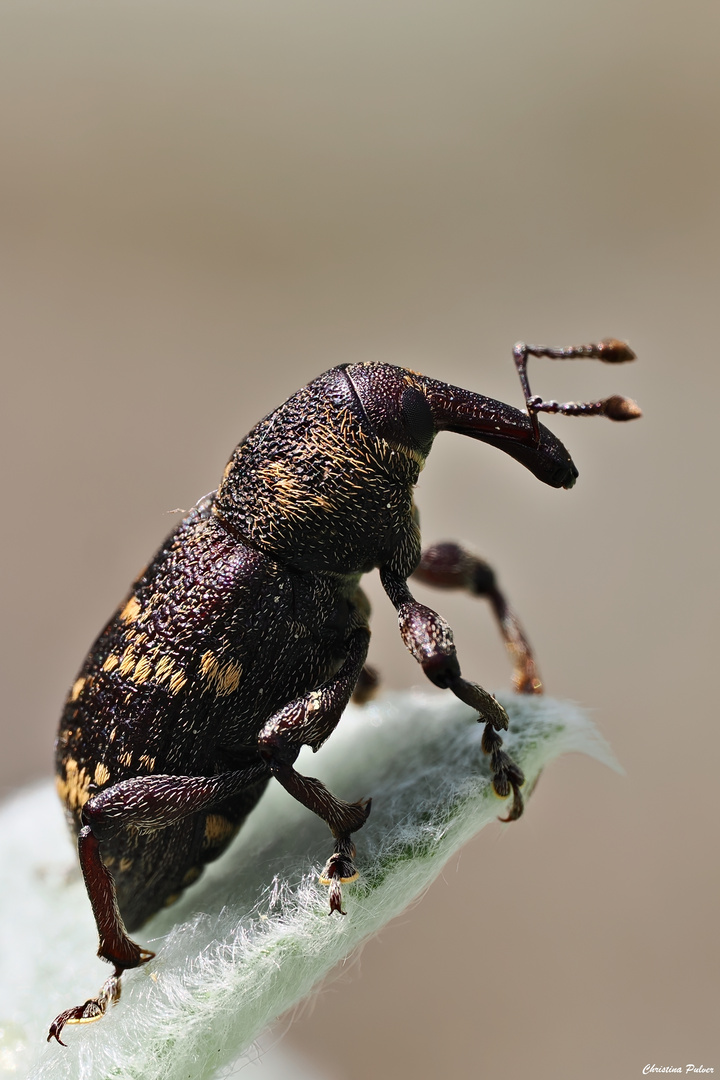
[309,721]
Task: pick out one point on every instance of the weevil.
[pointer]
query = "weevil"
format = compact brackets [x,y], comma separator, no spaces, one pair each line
[246,636]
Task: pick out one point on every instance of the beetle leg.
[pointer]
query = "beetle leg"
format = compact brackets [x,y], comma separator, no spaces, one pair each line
[430,640]
[308,721]
[115,945]
[90,1010]
[366,686]
[449,566]
[154,802]
[145,802]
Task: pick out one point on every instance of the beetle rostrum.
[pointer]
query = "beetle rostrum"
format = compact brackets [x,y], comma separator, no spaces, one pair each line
[246,636]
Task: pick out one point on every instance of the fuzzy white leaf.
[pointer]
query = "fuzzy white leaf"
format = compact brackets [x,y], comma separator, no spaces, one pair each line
[253,936]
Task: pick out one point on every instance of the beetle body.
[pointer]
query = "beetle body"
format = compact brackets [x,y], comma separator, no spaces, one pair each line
[213,640]
[246,635]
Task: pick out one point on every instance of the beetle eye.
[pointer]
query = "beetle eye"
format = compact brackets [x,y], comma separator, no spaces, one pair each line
[417,419]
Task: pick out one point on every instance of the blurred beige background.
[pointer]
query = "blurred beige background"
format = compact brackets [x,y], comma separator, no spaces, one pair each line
[203,206]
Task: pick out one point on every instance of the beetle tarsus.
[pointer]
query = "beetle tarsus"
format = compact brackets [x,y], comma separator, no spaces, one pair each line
[339,870]
[90,1010]
[516,807]
[506,776]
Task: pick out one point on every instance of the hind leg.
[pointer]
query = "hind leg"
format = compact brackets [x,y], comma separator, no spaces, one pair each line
[145,802]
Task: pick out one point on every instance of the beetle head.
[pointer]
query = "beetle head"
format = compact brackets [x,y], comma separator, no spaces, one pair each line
[408,410]
[326,480]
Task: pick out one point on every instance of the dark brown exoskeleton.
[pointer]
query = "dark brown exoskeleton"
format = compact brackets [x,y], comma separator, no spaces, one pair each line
[246,636]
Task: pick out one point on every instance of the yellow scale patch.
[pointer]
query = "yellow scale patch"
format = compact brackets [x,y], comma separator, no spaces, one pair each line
[127,663]
[131,610]
[222,679]
[165,670]
[177,682]
[292,495]
[137,667]
[77,688]
[73,789]
[101,775]
[217,830]
[141,668]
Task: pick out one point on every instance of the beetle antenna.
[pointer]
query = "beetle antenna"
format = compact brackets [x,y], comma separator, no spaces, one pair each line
[609,350]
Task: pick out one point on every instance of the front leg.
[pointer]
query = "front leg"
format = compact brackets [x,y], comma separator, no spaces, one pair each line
[430,640]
